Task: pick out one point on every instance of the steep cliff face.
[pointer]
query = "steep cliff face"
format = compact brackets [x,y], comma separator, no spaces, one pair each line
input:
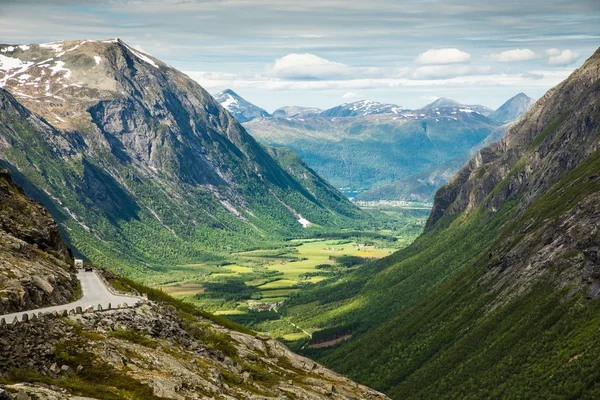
[133,157]
[34,261]
[552,151]
[555,136]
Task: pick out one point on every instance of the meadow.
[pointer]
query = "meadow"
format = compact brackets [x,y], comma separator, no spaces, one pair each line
[250,286]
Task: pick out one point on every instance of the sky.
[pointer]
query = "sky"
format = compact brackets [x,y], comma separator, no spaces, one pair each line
[322,53]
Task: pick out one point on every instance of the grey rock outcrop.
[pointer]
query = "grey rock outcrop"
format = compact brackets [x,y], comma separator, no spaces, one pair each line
[35,267]
[152,346]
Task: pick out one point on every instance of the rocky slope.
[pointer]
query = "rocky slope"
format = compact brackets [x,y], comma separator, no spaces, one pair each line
[35,264]
[551,139]
[156,351]
[241,109]
[160,349]
[132,157]
[499,298]
[513,108]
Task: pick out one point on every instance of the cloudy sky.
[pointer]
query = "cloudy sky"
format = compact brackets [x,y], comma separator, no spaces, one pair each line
[322,53]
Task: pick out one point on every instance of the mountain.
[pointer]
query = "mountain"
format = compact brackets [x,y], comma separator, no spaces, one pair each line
[513,108]
[443,103]
[420,187]
[241,109]
[159,349]
[361,152]
[36,267]
[499,298]
[423,186]
[139,165]
[361,108]
[296,112]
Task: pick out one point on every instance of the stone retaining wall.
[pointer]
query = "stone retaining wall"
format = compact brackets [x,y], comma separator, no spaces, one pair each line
[33,316]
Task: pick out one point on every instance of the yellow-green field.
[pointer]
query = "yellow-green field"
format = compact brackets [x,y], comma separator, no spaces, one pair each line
[287,267]
[316,252]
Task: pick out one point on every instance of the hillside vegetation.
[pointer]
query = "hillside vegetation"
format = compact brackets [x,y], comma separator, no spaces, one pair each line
[141,167]
[499,299]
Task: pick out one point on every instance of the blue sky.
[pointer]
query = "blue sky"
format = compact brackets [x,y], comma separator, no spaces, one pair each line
[322,53]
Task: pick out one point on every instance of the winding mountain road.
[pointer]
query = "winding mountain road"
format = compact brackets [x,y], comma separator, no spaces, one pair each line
[95,293]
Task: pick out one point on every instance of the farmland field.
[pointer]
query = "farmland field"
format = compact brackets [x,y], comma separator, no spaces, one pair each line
[248,284]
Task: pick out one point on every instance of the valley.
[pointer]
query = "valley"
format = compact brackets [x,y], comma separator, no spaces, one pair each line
[158,241]
[249,287]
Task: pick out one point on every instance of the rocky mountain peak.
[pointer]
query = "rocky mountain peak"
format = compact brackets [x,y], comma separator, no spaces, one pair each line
[60,80]
[513,108]
[444,104]
[241,109]
[124,137]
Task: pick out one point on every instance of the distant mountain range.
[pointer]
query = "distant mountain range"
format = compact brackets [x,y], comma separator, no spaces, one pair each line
[379,151]
[139,165]
[363,146]
[360,109]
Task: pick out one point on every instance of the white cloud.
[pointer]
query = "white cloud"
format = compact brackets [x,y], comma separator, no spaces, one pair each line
[553,52]
[307,66]
[442,56]
[447,71]
[475,78]
[564,57]
[350,95]
[514,55]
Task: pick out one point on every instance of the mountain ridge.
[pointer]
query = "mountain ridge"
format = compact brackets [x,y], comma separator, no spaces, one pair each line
[139,143]
[500,297]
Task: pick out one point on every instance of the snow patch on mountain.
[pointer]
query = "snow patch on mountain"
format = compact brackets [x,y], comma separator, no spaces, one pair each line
[229,102]
[56,46]
[304,222]
[59,67]
[12,67]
